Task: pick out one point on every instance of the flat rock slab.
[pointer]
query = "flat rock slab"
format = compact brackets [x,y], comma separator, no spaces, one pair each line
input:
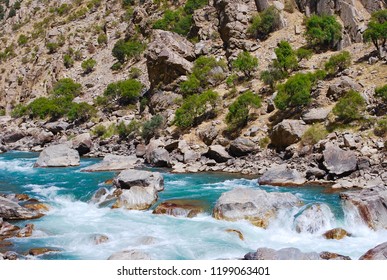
[114,163]
[58,156]
[281,175]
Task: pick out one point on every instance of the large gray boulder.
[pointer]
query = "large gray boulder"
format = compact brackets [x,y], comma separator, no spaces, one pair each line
[130,255]
[114,163]
[168,57]
[369,206]
[314,218]
[256,206]
[10,210]
[316,115]
[138,189]
[287,132]
[58,156]
[377,253]
[218,153]
[281,175]
[242,146]
[158,157]
[82,143]
[339,161]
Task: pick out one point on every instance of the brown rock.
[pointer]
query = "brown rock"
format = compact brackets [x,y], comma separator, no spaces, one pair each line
[41,251]
[26,231]
[377,253]
[238,232]
[333,256]
[336,233]
[178,207]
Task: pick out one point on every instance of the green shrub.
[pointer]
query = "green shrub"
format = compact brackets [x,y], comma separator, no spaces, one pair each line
[52,47]
[192,5]
[150,128]
[264,23]
[190,86]
[80,112]
[134,73]
[12,12]
[238,112]
[272,76]
[102,39]
[67,88]
[323,32]
[338,63]
[195,108]
[99,130]
[350,107]
[88,65]
[303,53]
[376,31]
[63,9]
[296,91]
[204,67]
[286,59]
[22,40]
[123,51]
[246,63]
[44,107]
[68,61]
[314,134]
[382,92]
[381,127]
[123,92]
[116,66]
[19,111]
[128,130]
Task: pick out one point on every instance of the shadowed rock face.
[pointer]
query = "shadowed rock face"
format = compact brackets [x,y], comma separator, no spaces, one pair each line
[370,204]
[377,253]
[256,206]
[287,132]
[58,156]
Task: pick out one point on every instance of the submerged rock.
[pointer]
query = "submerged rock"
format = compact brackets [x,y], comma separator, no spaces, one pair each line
[99,238]
[281,175]
[41,251]
[369,205]
[336,233]
[114,163]
[314,218]
[237,232]
[58,156]
[282,254]
[130,255]
[10,210]
[333,256]
[377,253]
[179,207]
[256,206]
[26,231]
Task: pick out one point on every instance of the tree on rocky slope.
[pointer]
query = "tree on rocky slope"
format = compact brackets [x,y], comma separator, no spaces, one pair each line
[323,32]
[377,31]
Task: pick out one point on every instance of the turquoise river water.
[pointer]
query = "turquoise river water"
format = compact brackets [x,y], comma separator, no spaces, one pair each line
[72,220]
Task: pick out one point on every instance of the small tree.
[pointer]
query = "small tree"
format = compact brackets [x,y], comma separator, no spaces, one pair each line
[126,50]
[22,40]
[303,53]
[338,63]
[264,23]
[376,31]
[68,61]
[350,107]
[88,65]
[381,92]
[151,128]
[286,57]
[238,112]
[66,88]
[323,32]
[246,63]
[52,47]
[123,92]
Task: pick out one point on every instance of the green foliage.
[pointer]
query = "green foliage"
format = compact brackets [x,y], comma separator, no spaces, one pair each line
[127,3]
[123,51]
[128,130]
[296,91]
[272,76]
[22,40]
[99,130]
[238,112]
[382,92]
[204,67]
[68,61]
[63,9]
[124,92]
[88,65]
[116,66]
[66,88]
[246,63]
[102,39]
[338,63]
[80,112]
[323,32]
[192,5]
[134,73]
[381,127]
[52,47]
[303,53]
[12,12]
[195,108]
[314,134]
[376,31]
[2,112]
[176,21]
[350,107]
[286,59]
[264,23]
[150,128]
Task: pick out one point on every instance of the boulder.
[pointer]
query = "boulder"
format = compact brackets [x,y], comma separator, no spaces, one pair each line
[314,218]
[130,255]
[316,115]
[208,134]
[281,175]
[139,189]
[10,210]
[168,57]
[256,206]
[377,253]
[41,251]
[58,156]
[333,256]
[99,238]
[342,86]
[114,163]
[26,231]
[242,146]
[56,127]
[287,132]
[336,233]
[12,135]
[218,153]
[7,230]
[369,206]
[82,143]
[181,208]
[104,197]
[282,254]
[338,161]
